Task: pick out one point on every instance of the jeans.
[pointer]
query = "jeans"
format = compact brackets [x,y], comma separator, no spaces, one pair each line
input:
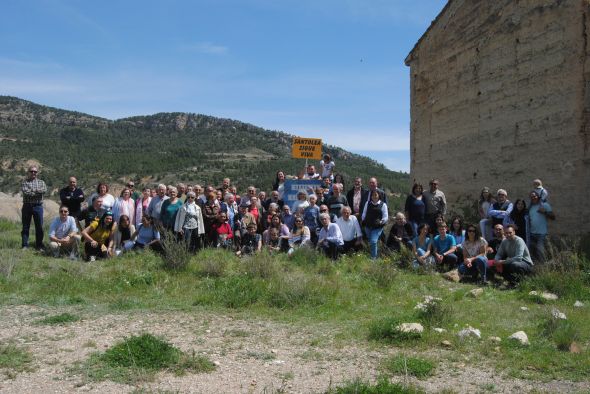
[428,262]
[34,211]
[192,239]
[479,264]
[450,261]
[514,271]
[331,249]
[373,235]
[537,247]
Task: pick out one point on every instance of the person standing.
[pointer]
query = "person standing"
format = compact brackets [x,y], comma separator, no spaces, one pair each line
[539,212]
[33,189]
[354,197]
[72,197]
[435,201]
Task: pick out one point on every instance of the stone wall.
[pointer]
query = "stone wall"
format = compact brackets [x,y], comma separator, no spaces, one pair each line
[500,95]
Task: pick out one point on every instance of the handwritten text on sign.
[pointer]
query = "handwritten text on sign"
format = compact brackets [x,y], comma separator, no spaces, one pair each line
[307,148]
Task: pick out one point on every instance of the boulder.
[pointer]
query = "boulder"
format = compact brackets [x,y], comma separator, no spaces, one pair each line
[446,344]
[416,328]
[469,332]
[452,276]
[476,292]
[439,330]
[578,304]
[524,308]
[520,337]
[556,314]
[544,295]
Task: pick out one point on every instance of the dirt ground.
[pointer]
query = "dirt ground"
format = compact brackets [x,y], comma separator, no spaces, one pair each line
[252,356]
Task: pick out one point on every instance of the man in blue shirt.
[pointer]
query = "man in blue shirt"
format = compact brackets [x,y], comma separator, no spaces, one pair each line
[445,247]
[539,212]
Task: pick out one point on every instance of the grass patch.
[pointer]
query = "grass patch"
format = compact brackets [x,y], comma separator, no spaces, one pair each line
[14,359]
[562,332]
[383,386]
[403,365]
[385,330]
[434,312]
[138,358]
[62,318]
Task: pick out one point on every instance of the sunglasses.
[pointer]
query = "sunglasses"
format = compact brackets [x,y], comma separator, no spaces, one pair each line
[470,231]
[33,172]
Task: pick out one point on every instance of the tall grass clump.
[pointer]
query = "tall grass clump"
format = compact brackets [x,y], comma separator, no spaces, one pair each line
[14,359]
[175,253]
[139,358]
[412,366]
[293,289]
[562,332]
[213,263]
[261,265]
[403,257]
[382,386]
[383,273]
[434,312]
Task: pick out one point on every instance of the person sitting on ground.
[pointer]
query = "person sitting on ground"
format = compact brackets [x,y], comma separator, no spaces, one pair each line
[500,210]
[251,242]
[422,248]
[63,234]
[374,217]
[520,217]
[494,243]
[98,237]
[540,190]
[486,199]
[513,257]
[415,207]
[72,197]
[350,228]
[287,217]
[474,255]
[146,235]
[282,229]
[539,212]
[241,225]
[327,166]
[336,201]
[444,246]
[458,232]
[124,205]
[102,190]
[274,243]
[299,236]
[189,223]
[122,239]
[141,205]
[169,209]
[311,218]
[222,233]
[354,197]
[401,234]
[330,238]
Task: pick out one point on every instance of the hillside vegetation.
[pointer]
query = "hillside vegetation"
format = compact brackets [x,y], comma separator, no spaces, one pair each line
[162,147]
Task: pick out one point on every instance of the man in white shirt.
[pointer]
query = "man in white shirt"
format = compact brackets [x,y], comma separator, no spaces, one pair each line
[351,231]
[63,234]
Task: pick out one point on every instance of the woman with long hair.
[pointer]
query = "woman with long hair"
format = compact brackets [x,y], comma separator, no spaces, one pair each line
[299,236]
[122,239]
[474,255]
[415,207]
[98,237]
[520,217]
[422,247]
[142,204]
[279,183]
[486,199]
[124,205]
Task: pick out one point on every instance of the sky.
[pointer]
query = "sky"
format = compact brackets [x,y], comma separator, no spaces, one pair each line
[330,69]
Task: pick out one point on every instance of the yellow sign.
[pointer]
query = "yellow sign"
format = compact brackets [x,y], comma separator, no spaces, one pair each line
[307,148]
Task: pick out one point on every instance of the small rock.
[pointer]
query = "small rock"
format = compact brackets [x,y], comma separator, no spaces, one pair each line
[411,327]
[575,348]
[476,292]
[469,332]
[452,276]
[273,351]
[556,314]
[277,362]
[534,293]
[439,330]
[216,363]
[208,331]
[521,337]
[578,304]
[495,339]
[549,296]
[497,349]
[446,344]
[524,308]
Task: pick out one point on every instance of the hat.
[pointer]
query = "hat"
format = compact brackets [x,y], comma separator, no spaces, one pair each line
[107,213]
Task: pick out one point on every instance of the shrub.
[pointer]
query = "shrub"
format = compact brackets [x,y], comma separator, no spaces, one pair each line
[403,365]
[294,289]
[59,319]
[383,386]
[433,312]
[175,254]
[261,265]
[385,330]
[562,332]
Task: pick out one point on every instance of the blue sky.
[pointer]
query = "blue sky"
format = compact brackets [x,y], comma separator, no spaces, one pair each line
[330,69]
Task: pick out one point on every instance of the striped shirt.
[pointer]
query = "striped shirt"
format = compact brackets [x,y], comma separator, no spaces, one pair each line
[33,190]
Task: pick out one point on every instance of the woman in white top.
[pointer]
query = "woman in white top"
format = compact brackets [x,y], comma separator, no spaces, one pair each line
[124,206]
[189,222]
[299,236]
[327,166]
[102,190]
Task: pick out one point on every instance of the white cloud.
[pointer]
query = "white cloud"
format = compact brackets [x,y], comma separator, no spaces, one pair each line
[206,47]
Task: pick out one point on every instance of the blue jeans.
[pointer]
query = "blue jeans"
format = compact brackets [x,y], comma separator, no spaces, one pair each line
[480,265]
[34,211]
[537,247]
[373,235]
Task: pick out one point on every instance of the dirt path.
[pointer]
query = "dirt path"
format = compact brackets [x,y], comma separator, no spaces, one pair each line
[252,356]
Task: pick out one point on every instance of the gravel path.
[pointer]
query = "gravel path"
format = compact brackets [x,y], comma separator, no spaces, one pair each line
[253,356]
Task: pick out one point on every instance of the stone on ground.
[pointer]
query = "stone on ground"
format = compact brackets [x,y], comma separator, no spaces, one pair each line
[476,292]
[469,332]
[410,327]
[452,276]
[520,337]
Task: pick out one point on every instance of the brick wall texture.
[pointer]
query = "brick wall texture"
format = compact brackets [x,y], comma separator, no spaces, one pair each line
[500,95]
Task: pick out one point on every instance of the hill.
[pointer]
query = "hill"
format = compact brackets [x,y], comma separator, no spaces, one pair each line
[167,147]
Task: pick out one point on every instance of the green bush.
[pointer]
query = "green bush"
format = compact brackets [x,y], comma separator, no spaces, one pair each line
[434,312]
[403,365]
[562,332]
[175,254]
[383,386]
[59,319]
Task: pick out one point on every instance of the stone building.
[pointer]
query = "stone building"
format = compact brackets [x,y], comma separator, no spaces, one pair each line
[500,95]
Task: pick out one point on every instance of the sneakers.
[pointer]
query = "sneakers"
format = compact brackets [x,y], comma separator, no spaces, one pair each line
[92,259]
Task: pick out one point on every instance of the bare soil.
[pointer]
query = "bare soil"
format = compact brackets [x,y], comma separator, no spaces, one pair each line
[252,356]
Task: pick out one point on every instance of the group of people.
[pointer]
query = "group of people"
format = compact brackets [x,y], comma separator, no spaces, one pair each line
[328,219]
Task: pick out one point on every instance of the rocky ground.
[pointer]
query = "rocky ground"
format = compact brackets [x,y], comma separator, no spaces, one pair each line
[251,355]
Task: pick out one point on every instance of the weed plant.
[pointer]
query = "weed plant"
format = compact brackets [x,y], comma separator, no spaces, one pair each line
[14,359]
[60,319]
[385,330]
[434,312]
[175,253]
[562,332]
[412,366]
[138,358]
[382,386]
